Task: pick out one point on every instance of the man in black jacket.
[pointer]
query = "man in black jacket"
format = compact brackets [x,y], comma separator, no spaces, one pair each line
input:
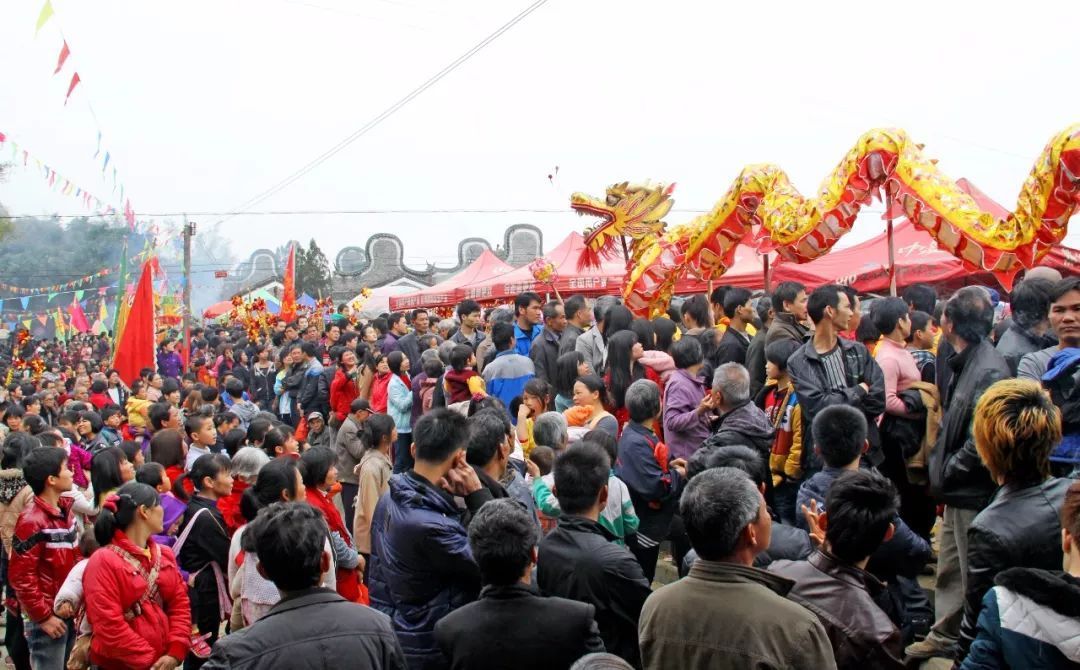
[411,344]
[579,560]
[830,370]
[310,626]
[545,349]
[957,475]
[578,318]
[755,352]
[532,631]
[735,342]
[789,311]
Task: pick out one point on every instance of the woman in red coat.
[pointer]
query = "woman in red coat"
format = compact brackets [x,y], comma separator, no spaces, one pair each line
[344,389]
[136,600]
[319,471]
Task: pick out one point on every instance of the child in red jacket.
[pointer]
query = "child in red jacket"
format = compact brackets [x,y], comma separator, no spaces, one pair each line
[43,553]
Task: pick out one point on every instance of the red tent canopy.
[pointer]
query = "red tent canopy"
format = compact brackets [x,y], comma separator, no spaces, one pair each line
[748,271]
[607,279]
[217,309]
[866,266]
[486,267]
[918,258]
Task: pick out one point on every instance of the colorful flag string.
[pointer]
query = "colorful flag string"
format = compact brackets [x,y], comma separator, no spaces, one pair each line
[48,13]
[68,187]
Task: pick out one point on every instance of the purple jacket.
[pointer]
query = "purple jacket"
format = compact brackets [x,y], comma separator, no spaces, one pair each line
[390,343]
[169,364]
[685,430]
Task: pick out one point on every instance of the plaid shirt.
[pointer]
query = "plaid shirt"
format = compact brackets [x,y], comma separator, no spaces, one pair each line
[922,358]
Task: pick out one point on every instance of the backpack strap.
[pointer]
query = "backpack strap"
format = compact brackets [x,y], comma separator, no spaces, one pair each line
[179,544]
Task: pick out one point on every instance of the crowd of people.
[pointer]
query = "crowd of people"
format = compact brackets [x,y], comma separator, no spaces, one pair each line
[497,490]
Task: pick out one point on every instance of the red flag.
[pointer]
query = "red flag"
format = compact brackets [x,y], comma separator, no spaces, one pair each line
[288,295]
[78,317]
[64,53]
[135,345]
[129,214]
[74,82]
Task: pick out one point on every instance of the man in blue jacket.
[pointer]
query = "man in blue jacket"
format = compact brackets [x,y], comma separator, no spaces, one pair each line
[421,565]
[507,375]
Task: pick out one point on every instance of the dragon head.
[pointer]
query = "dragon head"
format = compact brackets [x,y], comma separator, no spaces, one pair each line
[634,211]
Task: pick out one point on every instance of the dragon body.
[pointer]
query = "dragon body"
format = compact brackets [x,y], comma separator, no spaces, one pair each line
[763,207]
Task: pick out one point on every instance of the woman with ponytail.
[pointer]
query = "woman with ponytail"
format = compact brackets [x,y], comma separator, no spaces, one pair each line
[278,481]
[202,550]
[373,472]
[136,600]
[319,469]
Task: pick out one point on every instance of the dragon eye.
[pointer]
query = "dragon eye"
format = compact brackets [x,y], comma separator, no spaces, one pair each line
[612,200]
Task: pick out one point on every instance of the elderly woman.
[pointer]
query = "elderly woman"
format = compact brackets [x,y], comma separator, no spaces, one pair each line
[649,472]
[688,404]
[1016,427]
[550,430]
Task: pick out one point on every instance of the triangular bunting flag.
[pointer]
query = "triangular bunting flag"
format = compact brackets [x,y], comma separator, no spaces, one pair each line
[74,82]
[44,16]
[25,302]
[43,319]
[64,53]
[79,295]
[51,296]
[26,324]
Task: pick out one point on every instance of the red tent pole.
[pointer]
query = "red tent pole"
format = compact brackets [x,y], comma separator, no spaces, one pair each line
[768,277]
[892,250]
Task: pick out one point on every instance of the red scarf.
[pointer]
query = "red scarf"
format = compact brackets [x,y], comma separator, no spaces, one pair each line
[348,579]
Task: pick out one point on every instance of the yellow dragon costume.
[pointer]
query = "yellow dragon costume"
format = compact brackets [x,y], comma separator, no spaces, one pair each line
[800,229]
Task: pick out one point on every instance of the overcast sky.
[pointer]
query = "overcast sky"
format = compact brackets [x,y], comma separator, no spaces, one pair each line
[206,103]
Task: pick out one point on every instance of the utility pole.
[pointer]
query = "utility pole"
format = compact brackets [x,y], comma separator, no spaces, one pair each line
[189,232]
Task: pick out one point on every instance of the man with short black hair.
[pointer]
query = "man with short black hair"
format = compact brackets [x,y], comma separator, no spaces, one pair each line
[755,351]
[245,410]
[164,416]
[527,325]
[957,475]
[545,349]
[421,566]
[789,312]
[309,398]
[1029,331]
[310,626]
[591,343]
[578,319]
[727,613]
[833,582]
[1065,324]
[409,344]
[716,301]
[398,329]
[350,449]
[920,298]
[537,632]
[491,441]
[580,560]
[736,340]
[469,315]
[43,552]
[829,370]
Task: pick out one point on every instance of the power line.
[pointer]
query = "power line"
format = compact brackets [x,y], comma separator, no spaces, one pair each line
[385,114]
[363,212]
